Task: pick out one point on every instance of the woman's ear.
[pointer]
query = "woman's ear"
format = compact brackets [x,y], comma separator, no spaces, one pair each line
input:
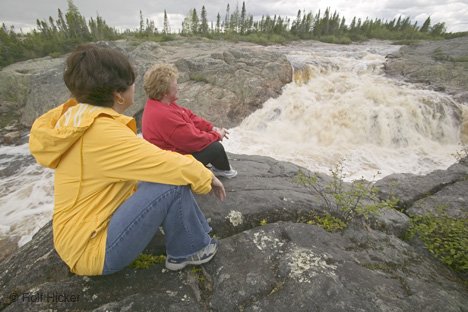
[118,98]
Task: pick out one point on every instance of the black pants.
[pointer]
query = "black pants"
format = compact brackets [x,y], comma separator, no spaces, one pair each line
[215,155]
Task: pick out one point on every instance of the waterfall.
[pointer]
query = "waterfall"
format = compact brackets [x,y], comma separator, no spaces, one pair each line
[341,107]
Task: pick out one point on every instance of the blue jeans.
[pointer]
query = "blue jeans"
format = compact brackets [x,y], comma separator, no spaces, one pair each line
[135,222]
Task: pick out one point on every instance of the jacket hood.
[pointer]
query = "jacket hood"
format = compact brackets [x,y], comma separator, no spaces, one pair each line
[53,133]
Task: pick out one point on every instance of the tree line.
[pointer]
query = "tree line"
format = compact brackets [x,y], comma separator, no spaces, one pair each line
[57,36]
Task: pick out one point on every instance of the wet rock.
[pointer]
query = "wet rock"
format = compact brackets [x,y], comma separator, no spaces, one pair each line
[284,265]
[441,65]
[221,81]
[450,201]
[8,245]
[409,188]
[11,138]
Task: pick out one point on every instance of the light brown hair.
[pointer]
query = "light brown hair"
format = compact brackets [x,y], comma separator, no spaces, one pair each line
[157,80]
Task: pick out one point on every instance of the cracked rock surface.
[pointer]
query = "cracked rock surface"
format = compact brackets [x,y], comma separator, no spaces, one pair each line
[224,81]
[284,265]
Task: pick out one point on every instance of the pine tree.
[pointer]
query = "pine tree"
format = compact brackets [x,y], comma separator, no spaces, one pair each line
[218,23]
[234,22]
[142,24]
[166,29]
[227,21]
[296,26]
[426,26]
[438,29]
[243,19]
[204,22]
[195,22]
[62,25]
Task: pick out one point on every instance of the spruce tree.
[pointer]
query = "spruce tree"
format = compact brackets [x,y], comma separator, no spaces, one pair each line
[195,22]
[218,23]
[426,26]
[166,30]
[243,19]
[227,21]
[204,22]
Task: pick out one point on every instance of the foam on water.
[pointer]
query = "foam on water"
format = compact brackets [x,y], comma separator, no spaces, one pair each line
[341,107]
[26,198]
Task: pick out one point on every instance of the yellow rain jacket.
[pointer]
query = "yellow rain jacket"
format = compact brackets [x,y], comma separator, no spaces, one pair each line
[98,160]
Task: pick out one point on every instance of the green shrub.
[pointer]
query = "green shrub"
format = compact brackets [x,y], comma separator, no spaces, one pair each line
[145,261]
[409,42]
[463,58]
[198,78]
[439,55]
[445,237]
[355,201]
[328,223]
[335,39]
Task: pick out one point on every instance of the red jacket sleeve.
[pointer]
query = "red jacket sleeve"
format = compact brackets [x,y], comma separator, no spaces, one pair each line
[190,139]
[199,122]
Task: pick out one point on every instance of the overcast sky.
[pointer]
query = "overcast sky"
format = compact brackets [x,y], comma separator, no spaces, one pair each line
[125,14]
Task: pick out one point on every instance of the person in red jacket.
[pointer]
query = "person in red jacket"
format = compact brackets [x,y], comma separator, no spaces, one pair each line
[176,128]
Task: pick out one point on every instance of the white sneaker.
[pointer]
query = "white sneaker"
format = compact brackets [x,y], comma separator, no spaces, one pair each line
[224,173]
[202,256]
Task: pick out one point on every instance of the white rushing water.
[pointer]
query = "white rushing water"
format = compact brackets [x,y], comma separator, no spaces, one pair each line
[340,106]
[26,197]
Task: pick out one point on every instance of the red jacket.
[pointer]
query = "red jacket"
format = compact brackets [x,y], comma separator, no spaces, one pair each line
[175,128]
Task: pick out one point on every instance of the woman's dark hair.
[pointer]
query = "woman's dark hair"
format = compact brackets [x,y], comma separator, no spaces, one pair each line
[93,73]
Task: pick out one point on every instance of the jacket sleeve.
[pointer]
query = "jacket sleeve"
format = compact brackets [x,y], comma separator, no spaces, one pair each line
[188,138]
[117,153]
[199,122]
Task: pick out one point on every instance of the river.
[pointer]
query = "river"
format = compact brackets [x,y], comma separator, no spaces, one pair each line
[340,107]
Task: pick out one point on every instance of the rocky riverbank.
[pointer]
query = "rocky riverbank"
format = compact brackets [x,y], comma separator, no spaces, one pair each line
[270,259]
[224,81]
[440,65]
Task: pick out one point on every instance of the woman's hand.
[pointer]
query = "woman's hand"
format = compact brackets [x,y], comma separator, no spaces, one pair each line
[222,132]
[218,188]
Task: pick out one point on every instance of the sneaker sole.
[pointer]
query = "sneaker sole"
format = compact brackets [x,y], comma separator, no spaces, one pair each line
[180,266]
[225,176]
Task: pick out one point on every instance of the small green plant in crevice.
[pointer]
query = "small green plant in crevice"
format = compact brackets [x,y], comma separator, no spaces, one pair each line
[197,77]
[357,200]
[263,222]
[203,280]
[439,55]
[198,274]
[328,222]
[445,237]
[145,261]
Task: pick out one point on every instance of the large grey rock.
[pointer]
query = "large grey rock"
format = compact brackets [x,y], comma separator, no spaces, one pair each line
[264,189]
[440,64]
[409,188]
[451,201]
[299,267]
[282,266]
[223,82]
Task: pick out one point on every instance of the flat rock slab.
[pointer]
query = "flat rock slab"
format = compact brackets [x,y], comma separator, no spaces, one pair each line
[284,265]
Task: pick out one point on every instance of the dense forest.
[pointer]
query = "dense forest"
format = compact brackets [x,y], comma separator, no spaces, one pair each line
[55,37]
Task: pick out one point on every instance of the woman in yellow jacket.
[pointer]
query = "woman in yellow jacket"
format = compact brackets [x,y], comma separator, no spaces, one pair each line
[102,221]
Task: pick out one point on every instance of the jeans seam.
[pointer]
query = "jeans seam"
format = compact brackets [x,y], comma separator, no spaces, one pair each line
[139,217]
[192,245]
